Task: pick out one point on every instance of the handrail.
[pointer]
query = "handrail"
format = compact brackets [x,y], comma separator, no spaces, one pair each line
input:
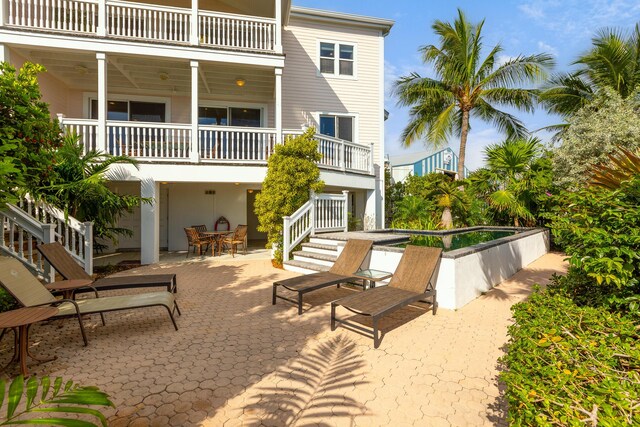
[241,17]
[162,8]
[322,212]
[237,129]
[155,125]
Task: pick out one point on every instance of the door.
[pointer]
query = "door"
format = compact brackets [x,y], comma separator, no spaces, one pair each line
[252,218]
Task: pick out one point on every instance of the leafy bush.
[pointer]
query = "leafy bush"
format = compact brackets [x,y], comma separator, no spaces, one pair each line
[27,133]
[7,302]
[599,229]
[570,365]
[292,172]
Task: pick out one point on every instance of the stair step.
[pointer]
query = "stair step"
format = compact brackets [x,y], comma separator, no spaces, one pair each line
[321,241]
[303,267]
[320,248]
[316,255]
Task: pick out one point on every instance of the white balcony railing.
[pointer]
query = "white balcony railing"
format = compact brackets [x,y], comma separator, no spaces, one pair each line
[172,142]
[236,143]
[144,22]
[140,21]
[78,16]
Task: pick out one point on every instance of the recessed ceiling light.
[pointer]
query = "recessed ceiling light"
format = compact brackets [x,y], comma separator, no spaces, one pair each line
[164,76]
[240,82]
[81,69]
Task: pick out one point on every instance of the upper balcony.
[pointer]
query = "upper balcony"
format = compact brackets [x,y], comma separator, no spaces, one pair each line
[245,26]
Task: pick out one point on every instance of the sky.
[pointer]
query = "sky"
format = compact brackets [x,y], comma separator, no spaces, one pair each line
[563,28]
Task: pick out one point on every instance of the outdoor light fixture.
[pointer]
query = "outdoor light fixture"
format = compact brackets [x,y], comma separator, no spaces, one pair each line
[250,191]
[240,82]
[81,69]
[164,76]
[237,183]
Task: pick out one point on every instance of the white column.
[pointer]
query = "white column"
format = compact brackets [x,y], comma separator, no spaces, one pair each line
[101,143]
[370,210]
[278,16]
[345,210]
[150,222]
[102,18]
[4,53]
[195,140]
[3,16]
[195,24]
[278,112]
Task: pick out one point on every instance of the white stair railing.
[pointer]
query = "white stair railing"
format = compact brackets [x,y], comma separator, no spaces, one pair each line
[20,236]
[322,213]
[75,236]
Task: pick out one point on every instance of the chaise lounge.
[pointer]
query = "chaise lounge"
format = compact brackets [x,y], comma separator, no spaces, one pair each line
[349,261]
[414,280]
[69,269]
[29,292]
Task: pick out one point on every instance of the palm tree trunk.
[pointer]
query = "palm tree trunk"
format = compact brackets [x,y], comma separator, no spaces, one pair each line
[464,132]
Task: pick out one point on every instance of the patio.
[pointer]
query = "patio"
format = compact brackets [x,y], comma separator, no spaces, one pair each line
[238,360]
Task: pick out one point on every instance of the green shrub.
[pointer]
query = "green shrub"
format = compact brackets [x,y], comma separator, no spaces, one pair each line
[570,365]
[7,302]
[599,229]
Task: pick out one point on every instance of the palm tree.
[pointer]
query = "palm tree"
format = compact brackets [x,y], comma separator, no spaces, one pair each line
[516,174]
[466,85]
[613,61]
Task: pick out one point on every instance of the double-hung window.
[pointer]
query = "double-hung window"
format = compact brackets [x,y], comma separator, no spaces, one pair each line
[337,126]
[337,59]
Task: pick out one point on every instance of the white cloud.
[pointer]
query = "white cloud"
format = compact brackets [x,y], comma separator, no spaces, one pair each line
[547,48]
[532,10]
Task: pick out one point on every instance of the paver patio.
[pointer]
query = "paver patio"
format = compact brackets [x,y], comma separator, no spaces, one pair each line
[238,360]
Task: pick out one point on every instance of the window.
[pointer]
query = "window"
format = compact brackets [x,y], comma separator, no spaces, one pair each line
[132,111]
[337,126]
[212,116]
[343,65]
[247,117]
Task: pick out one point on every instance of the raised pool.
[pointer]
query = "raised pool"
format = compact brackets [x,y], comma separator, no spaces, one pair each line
[458,240]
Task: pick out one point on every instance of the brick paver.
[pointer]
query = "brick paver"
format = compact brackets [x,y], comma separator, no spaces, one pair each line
[238,360]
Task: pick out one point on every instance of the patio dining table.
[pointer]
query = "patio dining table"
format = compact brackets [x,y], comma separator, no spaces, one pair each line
[218,237]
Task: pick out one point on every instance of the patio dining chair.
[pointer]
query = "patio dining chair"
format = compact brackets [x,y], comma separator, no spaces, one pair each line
[196,240]
[64,264]
[414,280]
[29,292]
[349,261]
[239,237]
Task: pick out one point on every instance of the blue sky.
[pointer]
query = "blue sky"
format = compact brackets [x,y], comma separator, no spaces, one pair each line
[561,27]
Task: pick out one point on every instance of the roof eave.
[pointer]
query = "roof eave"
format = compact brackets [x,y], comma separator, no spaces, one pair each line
[381,24]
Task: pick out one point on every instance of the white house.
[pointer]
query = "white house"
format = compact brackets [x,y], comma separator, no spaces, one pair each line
[200,92]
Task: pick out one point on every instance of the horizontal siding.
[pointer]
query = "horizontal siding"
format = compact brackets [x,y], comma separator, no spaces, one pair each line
[304,92]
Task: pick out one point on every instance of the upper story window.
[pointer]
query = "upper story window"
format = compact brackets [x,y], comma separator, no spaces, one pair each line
[337,59]
[223,116]
[337,126]
[134,111]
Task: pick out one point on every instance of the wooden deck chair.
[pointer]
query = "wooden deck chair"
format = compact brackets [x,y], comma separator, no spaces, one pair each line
[29,292]
[414,280]
[239,237]
[349,261]
[69,269]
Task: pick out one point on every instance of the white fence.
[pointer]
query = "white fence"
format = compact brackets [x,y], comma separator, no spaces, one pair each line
[237,31]
[226,143]
[78,16]
[322,213]
[158,141]
[148,22]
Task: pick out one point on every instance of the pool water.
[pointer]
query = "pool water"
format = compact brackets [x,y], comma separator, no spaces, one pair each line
[455,241]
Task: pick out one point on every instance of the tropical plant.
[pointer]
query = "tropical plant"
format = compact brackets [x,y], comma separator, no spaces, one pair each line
[413,212]
[28,136]
[516,181]
[393,193]
[80,188]
[50,400]
[623,167]
[593,133]
[292,172]
[612,62]
[467,85]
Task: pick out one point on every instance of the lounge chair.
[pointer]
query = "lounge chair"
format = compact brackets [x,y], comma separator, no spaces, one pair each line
[349,261]
[413,280]
[69,269]
[29,292]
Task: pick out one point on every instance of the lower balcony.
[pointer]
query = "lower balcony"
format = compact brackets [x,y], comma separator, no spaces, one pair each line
[174,142]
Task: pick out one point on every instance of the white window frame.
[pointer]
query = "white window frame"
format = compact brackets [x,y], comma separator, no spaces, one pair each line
[264,110]
[336,60]
[354,116]
[88,96]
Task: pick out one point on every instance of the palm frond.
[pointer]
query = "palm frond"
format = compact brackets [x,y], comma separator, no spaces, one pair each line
[623,166]
[504,122]
[530,68]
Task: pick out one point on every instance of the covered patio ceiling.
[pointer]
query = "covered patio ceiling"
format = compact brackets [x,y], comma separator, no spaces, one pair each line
[146,75]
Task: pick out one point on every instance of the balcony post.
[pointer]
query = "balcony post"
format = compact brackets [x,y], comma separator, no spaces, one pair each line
[102,18]
[345,212]
[150,221]
[101,143]
[4,49]
[3,16]
[372,168]
[195,24]
[278,112]
[195,139]
[278,17]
